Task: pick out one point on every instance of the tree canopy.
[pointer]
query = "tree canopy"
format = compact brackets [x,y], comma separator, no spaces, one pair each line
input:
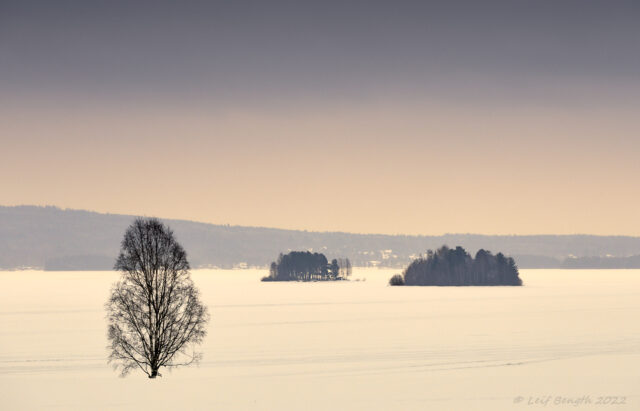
[454,266]
[308,266]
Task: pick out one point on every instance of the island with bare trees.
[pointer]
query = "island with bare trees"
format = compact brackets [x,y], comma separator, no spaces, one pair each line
[455,267]
[308,266]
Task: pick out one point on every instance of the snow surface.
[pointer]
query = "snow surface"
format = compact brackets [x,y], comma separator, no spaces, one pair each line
[357,345]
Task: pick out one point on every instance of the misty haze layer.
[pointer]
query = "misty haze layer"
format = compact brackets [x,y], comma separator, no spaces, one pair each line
[55,239]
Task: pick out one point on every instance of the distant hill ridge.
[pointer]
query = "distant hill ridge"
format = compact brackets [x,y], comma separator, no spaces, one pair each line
[61,239]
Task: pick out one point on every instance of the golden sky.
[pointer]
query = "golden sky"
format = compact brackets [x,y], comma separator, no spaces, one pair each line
[417,169]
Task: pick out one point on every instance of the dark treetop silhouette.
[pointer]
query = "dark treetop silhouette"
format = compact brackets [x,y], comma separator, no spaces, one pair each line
[448,266]
[155,316]
[307,266]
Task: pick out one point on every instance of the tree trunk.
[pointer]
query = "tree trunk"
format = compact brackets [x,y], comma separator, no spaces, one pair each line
[154,373]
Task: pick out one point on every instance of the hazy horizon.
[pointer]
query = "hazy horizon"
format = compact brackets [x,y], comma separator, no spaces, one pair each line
[498,117]
[307,230]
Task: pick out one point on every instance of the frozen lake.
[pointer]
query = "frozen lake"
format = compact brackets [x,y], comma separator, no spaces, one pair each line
[357,345]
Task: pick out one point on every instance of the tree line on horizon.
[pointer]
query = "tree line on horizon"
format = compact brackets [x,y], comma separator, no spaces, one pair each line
[455,266]
[50,238]
[308,266]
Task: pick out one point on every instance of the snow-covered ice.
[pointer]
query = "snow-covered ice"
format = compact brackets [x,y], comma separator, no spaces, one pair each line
[357,345]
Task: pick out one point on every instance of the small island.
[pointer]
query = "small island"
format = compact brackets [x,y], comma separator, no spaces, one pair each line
[308,266]
[455,267]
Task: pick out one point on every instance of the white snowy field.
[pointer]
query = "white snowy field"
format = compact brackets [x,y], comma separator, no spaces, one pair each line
[357,345]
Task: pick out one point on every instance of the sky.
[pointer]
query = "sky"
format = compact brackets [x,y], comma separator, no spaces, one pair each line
[403,117]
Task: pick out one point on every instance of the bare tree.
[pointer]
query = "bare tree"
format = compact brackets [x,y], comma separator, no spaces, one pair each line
[154,313]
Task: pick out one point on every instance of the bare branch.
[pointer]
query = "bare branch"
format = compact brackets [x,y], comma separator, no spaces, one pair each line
[154,311]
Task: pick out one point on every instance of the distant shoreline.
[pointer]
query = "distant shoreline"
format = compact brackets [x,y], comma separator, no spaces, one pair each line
[58,239]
